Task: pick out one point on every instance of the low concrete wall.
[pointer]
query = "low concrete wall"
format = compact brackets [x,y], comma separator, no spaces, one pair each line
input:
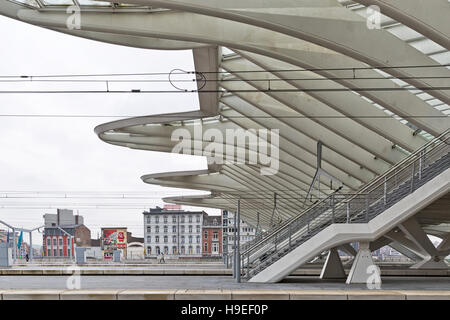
[183,294]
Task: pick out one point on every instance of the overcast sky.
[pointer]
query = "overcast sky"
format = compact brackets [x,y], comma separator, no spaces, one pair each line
[64,154]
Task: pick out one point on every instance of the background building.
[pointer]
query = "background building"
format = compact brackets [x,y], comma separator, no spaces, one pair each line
[212,235]
[173,231]
[247,231]
[135,247]
[63,231]
[114,238]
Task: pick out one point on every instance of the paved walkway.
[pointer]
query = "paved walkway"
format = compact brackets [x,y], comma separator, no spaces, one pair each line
[216,282]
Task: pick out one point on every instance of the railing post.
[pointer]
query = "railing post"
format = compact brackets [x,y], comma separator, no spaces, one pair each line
[385,191]
[238,251]
[248,265]
[412,178]
[348,212]
[290,237]
[420,165]
[276,241]
[395,178]
[367,207]
[332,208]
[307,220]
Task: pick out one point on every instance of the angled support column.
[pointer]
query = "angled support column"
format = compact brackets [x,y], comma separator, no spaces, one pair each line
[379,243]
[445,244]
[347,248]
[434,258]
[363,269]
[405,251]
[333,269]
[399,237]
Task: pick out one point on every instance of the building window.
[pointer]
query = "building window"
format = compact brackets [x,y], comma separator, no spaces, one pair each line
[149,239]
[198,218]
[174,229]
[206,235]
[149,219]
[60,252]
[190,239]
[49,252]
[182,239]
[197,249]
[68,242]
[68,253]
[165,229]
[174,239]
[174,219]
[182,229]
[190,250]
[182,219]
[157,229]
[54,253]
[190,229]
[149,229]
[165,219]
[166,239]
[190,219]
[157,239]
[215,235]
[174,250]
[206,247]
[48,242]
[156,219]
[158,251]
[60,241]
[166,250]
[198,239]
[198,229]
[54,243]
[215,248]
[149,250]
[182,249]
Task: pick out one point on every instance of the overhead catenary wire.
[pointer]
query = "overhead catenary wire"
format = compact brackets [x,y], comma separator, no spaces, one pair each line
[139,91]
[225,72]
[229,117]
[31,80]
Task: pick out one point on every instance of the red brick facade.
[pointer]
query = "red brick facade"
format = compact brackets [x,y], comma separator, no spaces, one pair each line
[212,240]
[59,244]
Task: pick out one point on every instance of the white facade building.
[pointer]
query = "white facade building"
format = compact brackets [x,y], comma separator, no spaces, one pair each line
[247,233]
[175,233]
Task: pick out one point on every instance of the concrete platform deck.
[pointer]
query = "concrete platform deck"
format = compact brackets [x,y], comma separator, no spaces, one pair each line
[192,270]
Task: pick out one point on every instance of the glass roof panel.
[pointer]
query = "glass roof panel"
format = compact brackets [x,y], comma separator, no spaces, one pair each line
[58,2]
[32,3]
[93,3]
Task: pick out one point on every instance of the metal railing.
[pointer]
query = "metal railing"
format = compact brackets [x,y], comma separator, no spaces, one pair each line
[361,207]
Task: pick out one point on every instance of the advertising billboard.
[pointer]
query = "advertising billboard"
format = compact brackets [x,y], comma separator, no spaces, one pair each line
[114,239]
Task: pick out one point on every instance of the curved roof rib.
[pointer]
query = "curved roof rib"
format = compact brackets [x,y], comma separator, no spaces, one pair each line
[311,69]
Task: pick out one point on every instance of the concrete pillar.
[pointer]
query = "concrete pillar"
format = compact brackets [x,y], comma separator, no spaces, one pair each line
[363,269]
[333,269]
[14,249]
[30,253]
[238,247]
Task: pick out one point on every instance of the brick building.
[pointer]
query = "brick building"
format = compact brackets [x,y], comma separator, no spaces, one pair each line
[212,235]
[63,231]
